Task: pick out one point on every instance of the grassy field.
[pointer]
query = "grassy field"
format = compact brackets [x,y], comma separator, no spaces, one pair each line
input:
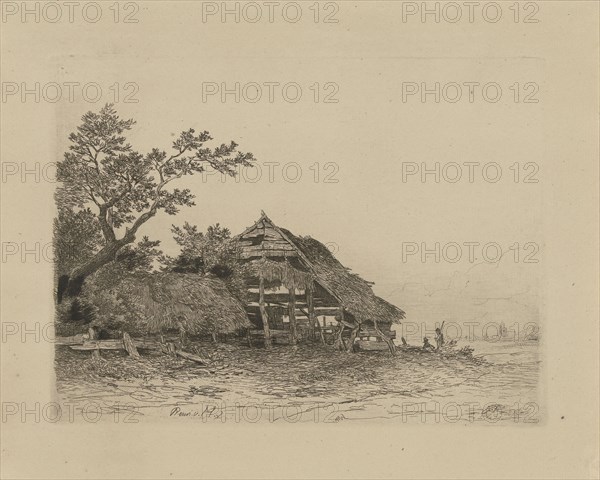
[497,384]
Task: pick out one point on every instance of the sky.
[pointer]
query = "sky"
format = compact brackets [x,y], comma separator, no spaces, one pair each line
[340,156]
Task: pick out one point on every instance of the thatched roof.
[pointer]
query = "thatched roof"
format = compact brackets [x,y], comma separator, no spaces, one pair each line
[353,293]
[196,303]
[283,272]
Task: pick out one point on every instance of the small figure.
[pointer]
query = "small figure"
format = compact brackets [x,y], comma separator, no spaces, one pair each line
[427,345]
[404,343]
[439,338]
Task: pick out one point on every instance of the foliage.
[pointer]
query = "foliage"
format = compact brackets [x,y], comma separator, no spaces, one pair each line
[115,309]
[106,300]
[77,237]
[213,252]
[107,191]
[131,260]
[107,185]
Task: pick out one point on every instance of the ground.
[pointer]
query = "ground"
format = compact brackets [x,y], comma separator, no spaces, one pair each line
[496,384]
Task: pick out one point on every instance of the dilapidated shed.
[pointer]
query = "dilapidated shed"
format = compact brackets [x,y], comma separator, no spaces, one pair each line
[295,280]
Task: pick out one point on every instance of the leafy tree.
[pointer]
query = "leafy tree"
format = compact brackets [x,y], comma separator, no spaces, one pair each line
[213,252]
[77,236]
[120,188]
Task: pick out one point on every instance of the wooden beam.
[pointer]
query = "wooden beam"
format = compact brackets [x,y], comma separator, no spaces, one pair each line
[353,333]
[255,332]
[292,315]
[339,341]
[389,341]
[263,311]
[191,356]
[312,318]
[130,346]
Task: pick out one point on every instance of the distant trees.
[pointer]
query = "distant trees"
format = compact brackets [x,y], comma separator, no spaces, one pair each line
[213,252]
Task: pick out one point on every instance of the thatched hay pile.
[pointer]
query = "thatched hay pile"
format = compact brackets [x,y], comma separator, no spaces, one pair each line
[195,304]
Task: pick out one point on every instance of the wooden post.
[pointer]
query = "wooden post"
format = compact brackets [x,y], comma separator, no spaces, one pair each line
[339,341]
[320,329]
[93,333]
[353,333]
[130,346]
[389,341]
[317,324]
[292,315]
[182,332]
[263,310]
[311,311]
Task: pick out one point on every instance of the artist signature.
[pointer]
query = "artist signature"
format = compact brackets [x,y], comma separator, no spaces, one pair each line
[208,411]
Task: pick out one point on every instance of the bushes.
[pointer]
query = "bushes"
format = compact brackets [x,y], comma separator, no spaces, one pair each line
[112,310]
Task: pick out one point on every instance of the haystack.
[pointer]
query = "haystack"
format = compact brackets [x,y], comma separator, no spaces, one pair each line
[192,303]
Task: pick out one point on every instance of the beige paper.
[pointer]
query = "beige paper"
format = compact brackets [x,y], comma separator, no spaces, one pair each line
[447,152]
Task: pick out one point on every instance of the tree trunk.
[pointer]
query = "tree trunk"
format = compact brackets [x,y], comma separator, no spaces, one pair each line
[292,315]
[72,284]
[263,311]
[389,341]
